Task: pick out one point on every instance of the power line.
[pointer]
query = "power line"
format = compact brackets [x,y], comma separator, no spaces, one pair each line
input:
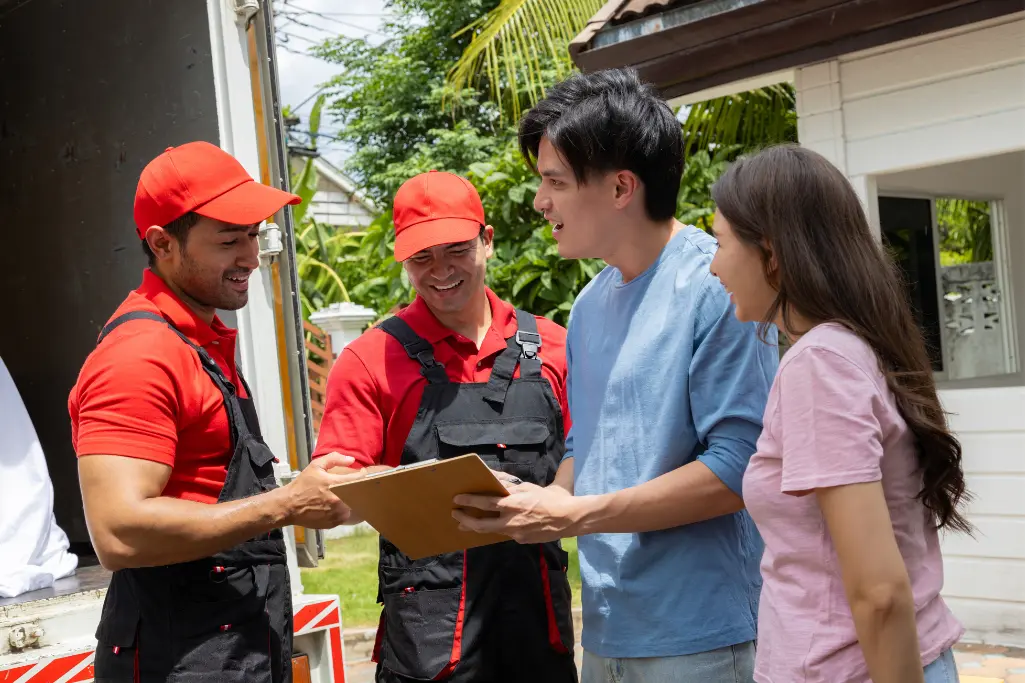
[291,16]
[282,46]
[292,4]
[295,35]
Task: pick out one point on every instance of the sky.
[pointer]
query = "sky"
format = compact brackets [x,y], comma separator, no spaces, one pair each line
[301,74]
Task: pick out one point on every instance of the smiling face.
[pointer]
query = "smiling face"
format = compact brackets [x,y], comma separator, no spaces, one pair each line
[449,276]
[740,268]
[583,216]
[211,265]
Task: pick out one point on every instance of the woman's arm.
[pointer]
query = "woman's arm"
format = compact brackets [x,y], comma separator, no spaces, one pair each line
[875,580]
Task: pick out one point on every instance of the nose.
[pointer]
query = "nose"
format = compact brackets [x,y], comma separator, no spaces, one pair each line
[541,201]
[250,256]
[442,269]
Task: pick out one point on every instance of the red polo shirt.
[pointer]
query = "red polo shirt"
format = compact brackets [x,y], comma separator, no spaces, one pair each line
[374,389]
[143,393]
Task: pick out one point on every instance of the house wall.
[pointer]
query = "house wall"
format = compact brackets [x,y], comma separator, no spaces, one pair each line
[332,205]
[896,118]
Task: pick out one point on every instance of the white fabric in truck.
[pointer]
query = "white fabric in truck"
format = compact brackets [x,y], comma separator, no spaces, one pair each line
[33,549]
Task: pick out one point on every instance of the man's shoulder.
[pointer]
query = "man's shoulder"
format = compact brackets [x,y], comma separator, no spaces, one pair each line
[372,343]
[696,243]
[145,340]
[598,284]
[552,333]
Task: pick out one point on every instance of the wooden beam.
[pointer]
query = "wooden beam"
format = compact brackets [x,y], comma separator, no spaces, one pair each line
[961,15]
[700,34]
[774,36]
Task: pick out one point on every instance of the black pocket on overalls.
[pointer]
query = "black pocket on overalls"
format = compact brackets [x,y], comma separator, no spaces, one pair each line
[516,443]
[221,627]
[421,628]
[117,636]
[424,605]
[558,597]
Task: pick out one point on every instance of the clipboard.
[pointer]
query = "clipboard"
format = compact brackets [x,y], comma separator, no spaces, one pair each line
[411,505]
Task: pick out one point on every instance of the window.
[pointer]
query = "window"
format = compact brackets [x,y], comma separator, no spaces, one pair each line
[951,252]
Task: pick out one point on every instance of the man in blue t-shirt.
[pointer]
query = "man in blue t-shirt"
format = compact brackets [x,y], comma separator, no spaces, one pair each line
[667,391]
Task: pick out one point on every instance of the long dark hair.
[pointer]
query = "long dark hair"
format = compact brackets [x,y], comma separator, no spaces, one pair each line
[830,268]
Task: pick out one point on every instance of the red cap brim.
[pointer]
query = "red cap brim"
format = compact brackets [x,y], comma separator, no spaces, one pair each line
[247,204]
[432,233]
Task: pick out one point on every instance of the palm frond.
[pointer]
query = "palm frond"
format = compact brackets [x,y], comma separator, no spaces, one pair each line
[758,117]
[512,44]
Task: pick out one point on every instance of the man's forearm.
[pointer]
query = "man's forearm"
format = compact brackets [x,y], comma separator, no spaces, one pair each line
[163,530]
[686,495]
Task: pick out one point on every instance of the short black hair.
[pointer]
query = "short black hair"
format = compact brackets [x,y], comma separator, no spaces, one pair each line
[178,229]
[610,121]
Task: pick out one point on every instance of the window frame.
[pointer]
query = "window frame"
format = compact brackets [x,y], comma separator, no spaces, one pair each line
[1002,276]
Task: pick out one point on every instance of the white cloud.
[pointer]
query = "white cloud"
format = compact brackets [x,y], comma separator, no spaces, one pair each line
[302,74]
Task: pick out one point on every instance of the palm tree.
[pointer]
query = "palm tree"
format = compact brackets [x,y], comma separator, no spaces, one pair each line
[520,47]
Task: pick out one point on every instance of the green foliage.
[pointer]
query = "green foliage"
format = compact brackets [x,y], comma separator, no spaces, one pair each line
[694,205]
[527,270]
[520,47]
[389,98]
[965,231]
[746,120]
[403,114]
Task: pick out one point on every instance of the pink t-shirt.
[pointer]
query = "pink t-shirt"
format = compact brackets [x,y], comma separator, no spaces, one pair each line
[831,421]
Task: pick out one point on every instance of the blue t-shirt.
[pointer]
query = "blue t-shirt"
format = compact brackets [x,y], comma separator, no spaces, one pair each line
[661,373]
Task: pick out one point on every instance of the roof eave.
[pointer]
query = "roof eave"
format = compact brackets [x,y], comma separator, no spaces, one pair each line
[765,37]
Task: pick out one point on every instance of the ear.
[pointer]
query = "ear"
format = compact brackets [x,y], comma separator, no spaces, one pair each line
[160,242]
[625,186]
[489,241]
[771,264]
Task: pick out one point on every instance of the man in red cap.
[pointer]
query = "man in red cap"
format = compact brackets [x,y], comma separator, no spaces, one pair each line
[457,371]
[178,485]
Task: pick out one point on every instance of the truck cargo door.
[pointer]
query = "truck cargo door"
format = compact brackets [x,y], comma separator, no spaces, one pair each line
[278,246]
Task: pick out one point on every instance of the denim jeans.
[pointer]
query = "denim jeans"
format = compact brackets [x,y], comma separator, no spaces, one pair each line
[732,664]
[943,670]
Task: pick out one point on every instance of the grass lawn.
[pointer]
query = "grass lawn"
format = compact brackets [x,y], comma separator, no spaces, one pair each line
[349,570]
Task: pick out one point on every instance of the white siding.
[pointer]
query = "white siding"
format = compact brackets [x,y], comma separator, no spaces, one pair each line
[985,576]
[898,117]
[924,103]
[333,206]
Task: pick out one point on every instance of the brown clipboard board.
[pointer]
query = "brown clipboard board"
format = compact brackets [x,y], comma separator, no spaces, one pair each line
[411,506]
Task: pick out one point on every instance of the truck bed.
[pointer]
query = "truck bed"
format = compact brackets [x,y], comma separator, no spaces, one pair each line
[85,579]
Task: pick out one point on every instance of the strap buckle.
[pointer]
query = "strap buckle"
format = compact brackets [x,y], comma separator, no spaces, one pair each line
[529,343]
[426,358]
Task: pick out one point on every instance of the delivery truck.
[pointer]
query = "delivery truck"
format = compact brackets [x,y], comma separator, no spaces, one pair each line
[91,91]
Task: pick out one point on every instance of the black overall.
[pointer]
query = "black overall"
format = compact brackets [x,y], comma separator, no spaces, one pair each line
[226,618]
[499,613]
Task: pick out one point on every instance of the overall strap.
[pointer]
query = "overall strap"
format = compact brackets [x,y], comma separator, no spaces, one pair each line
[522,350]
[417,348]
[237,419]
[127,317]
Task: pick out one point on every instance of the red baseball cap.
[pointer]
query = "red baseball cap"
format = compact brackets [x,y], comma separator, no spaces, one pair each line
[202,178]
[435,208]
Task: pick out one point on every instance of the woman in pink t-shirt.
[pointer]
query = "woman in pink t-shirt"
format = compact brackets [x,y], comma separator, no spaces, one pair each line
[856,469]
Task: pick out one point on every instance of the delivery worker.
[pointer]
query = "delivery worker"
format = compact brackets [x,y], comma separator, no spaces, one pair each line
[458,371]
[178,486]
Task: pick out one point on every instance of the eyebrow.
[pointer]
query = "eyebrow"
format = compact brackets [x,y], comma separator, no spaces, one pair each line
[237,228]
[552,173]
